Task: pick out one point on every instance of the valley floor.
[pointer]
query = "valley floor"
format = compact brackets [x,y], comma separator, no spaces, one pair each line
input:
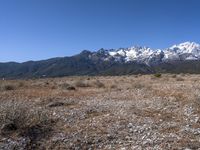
[124,112]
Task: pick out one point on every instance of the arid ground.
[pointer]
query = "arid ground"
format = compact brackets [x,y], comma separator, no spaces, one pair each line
[115,112]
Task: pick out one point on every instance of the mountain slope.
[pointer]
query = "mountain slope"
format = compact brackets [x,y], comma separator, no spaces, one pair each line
[76,65]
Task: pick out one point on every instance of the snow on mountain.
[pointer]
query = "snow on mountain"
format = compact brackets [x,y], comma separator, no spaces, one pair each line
[183,51]
[134,53]
[187,47]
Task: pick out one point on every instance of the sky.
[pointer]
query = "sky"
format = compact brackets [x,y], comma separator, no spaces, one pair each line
[41,29]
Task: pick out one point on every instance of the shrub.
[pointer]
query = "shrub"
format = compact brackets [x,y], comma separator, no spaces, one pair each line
[179,79]
[174,76]
[21,117]
[71,88]
[136,76]
[81,83]
[157,75]
[113,86]
[67,86]
[20,84]
[196,103]
[99,84]
[64,85]
[138,86]
[56,104]
[7,87]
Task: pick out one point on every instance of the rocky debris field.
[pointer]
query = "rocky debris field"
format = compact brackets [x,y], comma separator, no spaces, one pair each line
[153,112]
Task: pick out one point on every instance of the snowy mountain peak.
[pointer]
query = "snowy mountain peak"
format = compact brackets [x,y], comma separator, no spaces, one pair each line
[183,51]
[133,53]
[187,47]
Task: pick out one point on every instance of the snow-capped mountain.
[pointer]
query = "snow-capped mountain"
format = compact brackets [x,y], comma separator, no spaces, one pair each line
[183,51]
[181,58]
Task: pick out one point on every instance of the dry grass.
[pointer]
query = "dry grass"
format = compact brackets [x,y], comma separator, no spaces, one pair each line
[124,112]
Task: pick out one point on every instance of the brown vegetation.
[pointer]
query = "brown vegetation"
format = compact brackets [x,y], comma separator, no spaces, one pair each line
[124,112]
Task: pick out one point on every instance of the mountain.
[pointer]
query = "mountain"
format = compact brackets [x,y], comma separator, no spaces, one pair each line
[181,58]
[181,52]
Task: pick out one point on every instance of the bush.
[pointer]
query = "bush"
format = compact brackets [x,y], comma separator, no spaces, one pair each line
[138,86]
[174,76]
[20,84]
[81,83]
[71,88]
[7,87]
[157,75]
[179,79]
[56,104]
[21,117]
[99,84]
[64,85]
[67,86]
[113,86]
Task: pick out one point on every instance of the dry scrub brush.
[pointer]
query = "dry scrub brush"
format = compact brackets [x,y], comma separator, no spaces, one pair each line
[7,87]
[98,84]
[81,83]
[21,117]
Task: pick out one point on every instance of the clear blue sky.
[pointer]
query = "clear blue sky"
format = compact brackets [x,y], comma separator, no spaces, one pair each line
[40,29]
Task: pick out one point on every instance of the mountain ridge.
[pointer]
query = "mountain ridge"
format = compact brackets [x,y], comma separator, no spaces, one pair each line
[183,51]
[181,58]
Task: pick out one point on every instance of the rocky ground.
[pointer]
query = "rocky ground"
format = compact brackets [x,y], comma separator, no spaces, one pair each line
[127,112]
